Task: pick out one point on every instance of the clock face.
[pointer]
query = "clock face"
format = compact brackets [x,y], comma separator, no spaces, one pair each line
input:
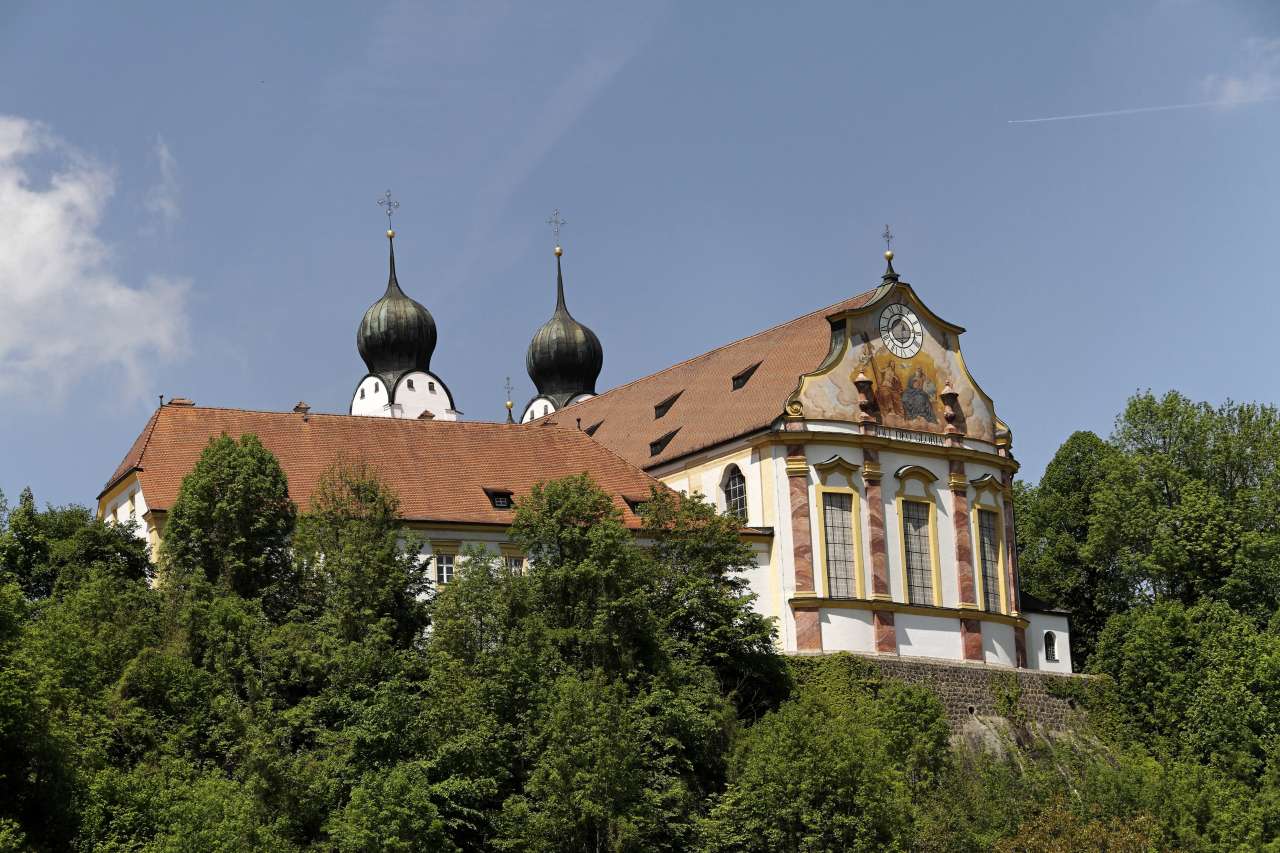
[901,331]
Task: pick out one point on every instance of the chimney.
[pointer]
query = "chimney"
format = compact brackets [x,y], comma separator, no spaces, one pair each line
[181,401]
[302,408]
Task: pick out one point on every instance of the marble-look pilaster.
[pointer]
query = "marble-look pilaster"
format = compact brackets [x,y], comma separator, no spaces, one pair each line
[1011,548]
[808,625]
[971,639]
[886,633]
[965,583]
[876,533]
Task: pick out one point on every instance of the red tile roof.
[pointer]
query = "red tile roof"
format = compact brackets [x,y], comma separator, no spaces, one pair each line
[439,469]
[708,410]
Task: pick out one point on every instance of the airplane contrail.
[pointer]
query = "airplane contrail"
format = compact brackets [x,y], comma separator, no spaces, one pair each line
[1135,110]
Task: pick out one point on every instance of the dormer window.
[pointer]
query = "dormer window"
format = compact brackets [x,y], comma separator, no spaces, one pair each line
[741,379]
[500,498]
[660,444]
[634,503]
[591,430]
[665,406]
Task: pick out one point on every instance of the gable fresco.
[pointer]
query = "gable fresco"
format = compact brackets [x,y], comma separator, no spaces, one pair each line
[910,357]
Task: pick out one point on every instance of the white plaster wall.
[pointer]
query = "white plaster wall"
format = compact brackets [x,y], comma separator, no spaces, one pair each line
[998,645]
[786,543]
[1040,623]
[427,395]
[928,636]
[846,630]
[757,577]
[375,397]
[538,407]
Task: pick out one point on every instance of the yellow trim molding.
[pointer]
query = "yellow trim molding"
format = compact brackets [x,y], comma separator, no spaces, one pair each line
[909,609]
[855,518]
[988,500]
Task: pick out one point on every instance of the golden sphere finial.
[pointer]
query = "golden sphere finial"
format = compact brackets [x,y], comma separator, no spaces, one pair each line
[559,251]
[509,405]
[888,254]
[390,233]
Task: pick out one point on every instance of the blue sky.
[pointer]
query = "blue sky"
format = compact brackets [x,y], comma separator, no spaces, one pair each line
[187,197]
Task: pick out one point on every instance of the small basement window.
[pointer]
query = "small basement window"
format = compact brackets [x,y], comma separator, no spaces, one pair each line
[591,430]
[660,444]
[740,379]
[1050,647]
[665,406]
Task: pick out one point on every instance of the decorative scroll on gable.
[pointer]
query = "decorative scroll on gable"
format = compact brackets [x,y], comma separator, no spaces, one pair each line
[896,364]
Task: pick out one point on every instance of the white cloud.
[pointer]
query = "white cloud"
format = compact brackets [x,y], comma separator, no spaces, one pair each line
[1258,78]
[162,199]
[65,316]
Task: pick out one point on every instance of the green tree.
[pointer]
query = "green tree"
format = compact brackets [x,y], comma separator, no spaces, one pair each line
[818,774]
[231,524]
[1054,521]
[24,549]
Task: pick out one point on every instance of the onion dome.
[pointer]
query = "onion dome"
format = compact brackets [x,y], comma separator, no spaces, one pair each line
[397,334]
[564,357]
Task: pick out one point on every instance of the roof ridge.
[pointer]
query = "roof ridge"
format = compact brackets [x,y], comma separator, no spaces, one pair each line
[381,418]
[694,358]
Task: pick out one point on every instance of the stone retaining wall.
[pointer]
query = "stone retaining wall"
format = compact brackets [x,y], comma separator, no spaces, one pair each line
[978,690]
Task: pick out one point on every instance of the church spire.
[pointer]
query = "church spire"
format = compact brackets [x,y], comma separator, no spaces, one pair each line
[564,357]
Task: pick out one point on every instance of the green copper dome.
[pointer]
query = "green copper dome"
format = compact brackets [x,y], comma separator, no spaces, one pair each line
[397,334]
[564,357]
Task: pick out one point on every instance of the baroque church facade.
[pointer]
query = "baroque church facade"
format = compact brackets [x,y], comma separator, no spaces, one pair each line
[869,469]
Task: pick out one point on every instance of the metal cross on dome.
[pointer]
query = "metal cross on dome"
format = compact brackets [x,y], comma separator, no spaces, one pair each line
[509,388]
[887,236]
[389,204]
[555,222]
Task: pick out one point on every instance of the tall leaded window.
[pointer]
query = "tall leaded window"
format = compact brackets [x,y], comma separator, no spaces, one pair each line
[444,568]
[735,493]
[837,522]
[915,542]
[989,546]
[1050,647]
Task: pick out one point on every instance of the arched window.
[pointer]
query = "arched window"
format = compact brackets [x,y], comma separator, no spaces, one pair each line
[735,492]
[1050,647]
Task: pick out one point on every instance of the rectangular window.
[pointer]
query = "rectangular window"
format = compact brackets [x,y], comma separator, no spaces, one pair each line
[916,551]
[444,568]
[989,544]
[837,523]
[515,565]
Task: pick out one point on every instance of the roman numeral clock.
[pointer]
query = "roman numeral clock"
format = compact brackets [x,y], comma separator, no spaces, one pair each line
[901,331]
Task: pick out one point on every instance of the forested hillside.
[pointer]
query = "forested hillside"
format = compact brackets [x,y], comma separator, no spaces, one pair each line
[291,679]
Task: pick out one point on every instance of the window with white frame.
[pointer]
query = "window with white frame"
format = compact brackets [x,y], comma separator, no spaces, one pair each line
[1050,647]
[444,568]
[515,565]
[837,525]
[917,552]
[735,493]
[989,548]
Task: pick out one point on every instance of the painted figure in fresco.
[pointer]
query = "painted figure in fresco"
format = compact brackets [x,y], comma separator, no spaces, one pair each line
[889,392]
[916,401]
